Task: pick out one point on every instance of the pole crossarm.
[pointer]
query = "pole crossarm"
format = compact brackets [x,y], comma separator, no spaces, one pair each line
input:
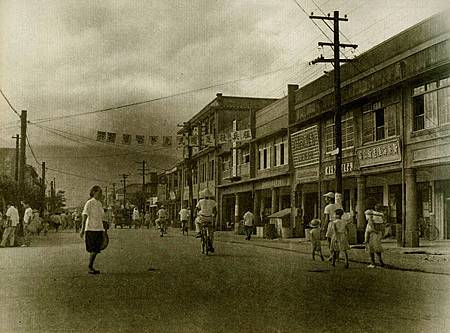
[322,59]
[330,18]
[354,46]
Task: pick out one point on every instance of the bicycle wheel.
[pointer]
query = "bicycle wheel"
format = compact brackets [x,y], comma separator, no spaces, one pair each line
[432,233]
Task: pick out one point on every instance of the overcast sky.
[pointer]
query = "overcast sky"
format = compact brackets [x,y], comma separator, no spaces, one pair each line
[62,58]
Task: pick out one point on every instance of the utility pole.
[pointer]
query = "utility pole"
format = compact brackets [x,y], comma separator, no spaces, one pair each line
[336,61]
[43,189]
[144,173]
[52,198]
[188,164]
[114,194]
[124,180]
[22,158]
[16,169]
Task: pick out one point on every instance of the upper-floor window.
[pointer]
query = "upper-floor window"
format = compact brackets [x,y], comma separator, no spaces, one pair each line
[380,121]
[211,170]
[280,152]
[431,104]
[264,151]
[346,132]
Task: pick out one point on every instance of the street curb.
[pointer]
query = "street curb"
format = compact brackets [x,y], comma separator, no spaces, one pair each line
[365,262]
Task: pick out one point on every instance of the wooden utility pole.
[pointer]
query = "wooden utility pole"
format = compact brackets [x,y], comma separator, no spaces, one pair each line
[337,93]
[43,189]
[22,157]
[124,180]
[16,169]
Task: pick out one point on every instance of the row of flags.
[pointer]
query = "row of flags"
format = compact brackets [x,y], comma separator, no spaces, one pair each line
[181,140]
[128,139]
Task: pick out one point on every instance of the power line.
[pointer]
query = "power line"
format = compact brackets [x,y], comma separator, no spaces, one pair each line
[32,152]
[10,105]
[75,175]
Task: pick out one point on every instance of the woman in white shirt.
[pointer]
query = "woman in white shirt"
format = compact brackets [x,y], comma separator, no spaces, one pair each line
[92,226]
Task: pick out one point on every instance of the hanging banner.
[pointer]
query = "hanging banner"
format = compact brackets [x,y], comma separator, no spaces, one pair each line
[140,139]
[154,140]
[126,139]
[167,141]
[101,136]
[111,137]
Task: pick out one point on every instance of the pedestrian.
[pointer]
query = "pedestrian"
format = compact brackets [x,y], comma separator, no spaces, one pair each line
[92,226]
[162,220]
[329,214]
[206,211]
[374,234]
[185,215]
[136,217]
[339,241]
[314,235]
[249,220]
[12,221]
[27,217]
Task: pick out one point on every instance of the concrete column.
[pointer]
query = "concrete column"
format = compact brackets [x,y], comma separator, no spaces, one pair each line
[274,200]
[360,207]
[280,201]
[411,234]
[256,206]
[236,213]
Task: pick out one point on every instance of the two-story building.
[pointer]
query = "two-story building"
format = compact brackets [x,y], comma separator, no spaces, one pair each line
[214,158]
[395,132]
[260,179]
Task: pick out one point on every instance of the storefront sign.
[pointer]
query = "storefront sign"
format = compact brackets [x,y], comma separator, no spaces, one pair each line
[305,146]
[331,169]
[381,153]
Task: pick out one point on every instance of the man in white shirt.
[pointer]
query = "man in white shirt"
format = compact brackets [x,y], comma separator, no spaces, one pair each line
[249,220]
[206,210]
[162,220]
[329,214]
[185,215]
[27,216]
[92,226]
[12,216]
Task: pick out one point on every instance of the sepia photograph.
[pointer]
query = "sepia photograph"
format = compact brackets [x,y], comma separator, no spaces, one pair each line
[224,166]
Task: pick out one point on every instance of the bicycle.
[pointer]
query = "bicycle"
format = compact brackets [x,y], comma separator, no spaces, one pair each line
[205,237]
[427,230]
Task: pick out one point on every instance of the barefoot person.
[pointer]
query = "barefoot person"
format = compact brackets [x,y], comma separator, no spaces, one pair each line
[92,226]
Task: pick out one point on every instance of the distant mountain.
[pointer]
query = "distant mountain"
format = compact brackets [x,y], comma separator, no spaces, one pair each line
[75,169]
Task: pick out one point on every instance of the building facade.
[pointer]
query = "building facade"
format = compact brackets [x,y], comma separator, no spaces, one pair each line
[215,157]
[395,132]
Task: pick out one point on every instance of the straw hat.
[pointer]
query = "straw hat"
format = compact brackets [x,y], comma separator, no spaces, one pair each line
[314,223]
[329,195]
[206,193]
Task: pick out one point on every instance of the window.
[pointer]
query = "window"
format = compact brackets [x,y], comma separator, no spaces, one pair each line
[264,156]
[346,132]
[380,121]
[280,152]
[211,170]
[431,104]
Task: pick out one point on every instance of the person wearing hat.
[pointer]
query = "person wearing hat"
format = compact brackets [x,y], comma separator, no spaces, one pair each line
[329,214]
[206,210]
[314,234]
[339,242]
[374,234]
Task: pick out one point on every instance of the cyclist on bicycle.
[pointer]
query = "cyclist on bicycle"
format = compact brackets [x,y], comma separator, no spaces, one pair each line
[161,220]
[206,210]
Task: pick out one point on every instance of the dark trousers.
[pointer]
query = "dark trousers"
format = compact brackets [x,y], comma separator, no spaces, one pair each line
[248,231]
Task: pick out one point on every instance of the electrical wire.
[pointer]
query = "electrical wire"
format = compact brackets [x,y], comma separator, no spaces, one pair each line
[9,103]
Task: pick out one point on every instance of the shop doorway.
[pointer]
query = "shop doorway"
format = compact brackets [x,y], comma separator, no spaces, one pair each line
[447,217]
[311,207]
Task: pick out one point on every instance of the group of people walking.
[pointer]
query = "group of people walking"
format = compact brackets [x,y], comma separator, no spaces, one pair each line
[336,233]
[18,229]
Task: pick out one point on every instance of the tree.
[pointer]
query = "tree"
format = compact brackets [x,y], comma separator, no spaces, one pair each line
[138,199]
[8,190]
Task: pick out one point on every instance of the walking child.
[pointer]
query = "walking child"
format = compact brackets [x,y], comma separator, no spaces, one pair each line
[314,234]
[339,242]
